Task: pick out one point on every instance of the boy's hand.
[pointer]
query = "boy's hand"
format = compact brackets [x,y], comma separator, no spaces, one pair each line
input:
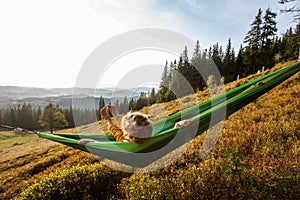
[183,123]
[82,142]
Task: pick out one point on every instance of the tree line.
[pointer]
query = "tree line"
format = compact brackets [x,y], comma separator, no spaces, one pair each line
[262,49]
[26,117]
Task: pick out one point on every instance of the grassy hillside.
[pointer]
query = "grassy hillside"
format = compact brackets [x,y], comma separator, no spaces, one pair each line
[256,157]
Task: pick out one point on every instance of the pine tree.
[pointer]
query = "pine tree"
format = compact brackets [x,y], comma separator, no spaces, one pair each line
[269,28]
[197,63]
[100,106]
[184,55]
[216,57]
[152,97]
[164,84]
[69,116]
[180,85]
[142,101]
[268,34]
[12,117]
[290,44]
[29,116]
[132,104]
[253,37]
[253,41]
[124,106]
[228,62]
[239,62]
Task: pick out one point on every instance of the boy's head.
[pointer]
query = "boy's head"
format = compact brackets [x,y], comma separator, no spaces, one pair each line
[136,126]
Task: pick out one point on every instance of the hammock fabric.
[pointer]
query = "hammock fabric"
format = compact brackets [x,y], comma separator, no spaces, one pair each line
[166,138]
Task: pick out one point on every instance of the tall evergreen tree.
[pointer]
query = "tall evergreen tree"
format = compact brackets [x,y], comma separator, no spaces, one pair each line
[239,62]
[152,97]
[196,55]
[253,42]
[28,112]
[180,84]
[216,57]
[124,106]
[37,115]
[197,63]
[228,62]
[142,101]
[289,44]
[12,117]
[69,116]
[132,104]
[269,30]
[164,84]
[100,106]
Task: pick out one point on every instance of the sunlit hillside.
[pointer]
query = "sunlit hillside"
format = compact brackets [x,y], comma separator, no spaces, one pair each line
[256,157]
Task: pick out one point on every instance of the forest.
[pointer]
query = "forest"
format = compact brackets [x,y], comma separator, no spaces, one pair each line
[262,49]
[26,117]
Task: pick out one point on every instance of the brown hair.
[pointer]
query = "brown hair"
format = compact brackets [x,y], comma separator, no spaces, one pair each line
[136,127]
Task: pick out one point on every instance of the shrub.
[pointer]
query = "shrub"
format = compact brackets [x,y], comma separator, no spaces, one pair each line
[81,182]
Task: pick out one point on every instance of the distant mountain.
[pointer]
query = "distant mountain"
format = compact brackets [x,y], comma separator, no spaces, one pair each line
[13,92]
[12,96]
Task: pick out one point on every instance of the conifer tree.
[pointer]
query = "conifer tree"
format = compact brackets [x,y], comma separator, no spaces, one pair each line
[253,42]
[164,84]
[100,106]
[180,84]
[216,57]
[142,101]
[269,30]
[290,44]
[28,113]
[228,62]
[124,106]
[239,62]
[132,104]
[197,63]
[36,118]
[196,55]
[152,97]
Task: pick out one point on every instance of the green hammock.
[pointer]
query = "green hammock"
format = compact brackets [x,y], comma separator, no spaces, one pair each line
[166,138]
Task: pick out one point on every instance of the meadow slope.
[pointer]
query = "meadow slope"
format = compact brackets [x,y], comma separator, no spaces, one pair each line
[256,157]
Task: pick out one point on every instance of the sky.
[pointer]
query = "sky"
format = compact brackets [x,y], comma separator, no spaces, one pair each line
[45,43]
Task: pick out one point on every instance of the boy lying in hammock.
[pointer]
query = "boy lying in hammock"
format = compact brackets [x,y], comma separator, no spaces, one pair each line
[135,126]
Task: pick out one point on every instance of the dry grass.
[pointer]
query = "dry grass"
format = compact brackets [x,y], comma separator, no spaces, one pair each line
[265,135]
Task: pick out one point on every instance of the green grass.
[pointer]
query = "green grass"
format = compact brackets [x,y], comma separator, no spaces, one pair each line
[11,138]
[256,157]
